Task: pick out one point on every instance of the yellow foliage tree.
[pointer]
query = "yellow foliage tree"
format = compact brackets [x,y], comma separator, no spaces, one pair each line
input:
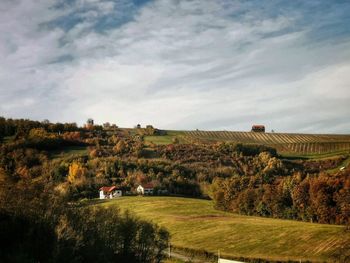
[120,147]
[77,172]
[40,133]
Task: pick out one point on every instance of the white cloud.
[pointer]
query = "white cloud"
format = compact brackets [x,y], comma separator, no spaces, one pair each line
[175,64]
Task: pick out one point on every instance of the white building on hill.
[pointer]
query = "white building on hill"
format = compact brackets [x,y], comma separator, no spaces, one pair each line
[145,189]
[108,192]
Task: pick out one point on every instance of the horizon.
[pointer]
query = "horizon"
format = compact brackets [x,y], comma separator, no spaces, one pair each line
[143,125]
[178,65]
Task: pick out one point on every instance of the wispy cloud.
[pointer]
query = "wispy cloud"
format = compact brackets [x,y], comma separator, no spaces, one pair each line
[178,64]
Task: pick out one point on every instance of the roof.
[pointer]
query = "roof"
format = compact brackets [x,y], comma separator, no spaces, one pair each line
[108,188]
[149,185]
[258,126]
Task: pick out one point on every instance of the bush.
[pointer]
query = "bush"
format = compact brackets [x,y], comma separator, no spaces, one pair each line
[252,149]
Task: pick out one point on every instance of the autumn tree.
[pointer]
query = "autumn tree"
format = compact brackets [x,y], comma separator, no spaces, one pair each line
[76,173]
[120,147]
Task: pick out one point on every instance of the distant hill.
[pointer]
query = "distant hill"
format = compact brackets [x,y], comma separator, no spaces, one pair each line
[283,142]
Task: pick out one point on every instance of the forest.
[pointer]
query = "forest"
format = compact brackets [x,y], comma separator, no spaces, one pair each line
[42,186]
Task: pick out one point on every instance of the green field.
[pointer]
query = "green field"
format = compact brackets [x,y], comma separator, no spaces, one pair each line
[165,139]
[69,151]
[315,155]
[195,224]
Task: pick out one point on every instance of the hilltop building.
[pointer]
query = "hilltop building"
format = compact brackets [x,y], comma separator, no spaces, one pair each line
[106,125]
[258,128]
[90,122]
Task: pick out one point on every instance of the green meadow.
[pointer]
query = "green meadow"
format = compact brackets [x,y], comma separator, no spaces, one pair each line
[195,224]
[168,138]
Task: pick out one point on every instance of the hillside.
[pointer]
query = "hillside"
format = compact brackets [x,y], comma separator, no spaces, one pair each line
[283,142]
[44,162]
[195,224]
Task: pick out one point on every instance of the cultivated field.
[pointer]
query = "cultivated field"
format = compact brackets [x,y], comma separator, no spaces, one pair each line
[195,224]
[283,142]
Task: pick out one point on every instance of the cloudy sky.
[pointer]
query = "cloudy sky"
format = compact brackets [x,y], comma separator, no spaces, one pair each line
[206,64]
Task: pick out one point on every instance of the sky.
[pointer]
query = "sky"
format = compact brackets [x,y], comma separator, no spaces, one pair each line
[195,64]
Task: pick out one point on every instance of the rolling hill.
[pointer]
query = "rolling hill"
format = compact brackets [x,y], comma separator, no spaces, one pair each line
[195,224]
[292,143]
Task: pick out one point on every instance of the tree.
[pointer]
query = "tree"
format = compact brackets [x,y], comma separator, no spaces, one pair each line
[106,235]
[120,147]
[76,173]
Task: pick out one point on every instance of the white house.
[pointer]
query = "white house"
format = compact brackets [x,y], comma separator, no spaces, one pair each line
[108,192]
[145,189]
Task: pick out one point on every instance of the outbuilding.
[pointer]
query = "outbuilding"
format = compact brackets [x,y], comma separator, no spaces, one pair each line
[109,192]
[258,128]
[145,189]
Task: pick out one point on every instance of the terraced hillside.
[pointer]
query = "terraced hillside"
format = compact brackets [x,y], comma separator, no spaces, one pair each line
[283,142]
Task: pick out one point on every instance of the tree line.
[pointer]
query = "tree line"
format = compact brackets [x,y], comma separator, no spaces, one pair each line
[38,220]
[314,198]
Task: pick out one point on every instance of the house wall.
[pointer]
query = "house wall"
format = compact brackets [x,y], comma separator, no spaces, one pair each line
[140,190]
[144,191]
[117,193]
[148,191]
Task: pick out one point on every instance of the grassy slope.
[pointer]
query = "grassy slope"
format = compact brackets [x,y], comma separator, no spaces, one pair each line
[165,139]
[345,163]
[315,155]
[171,134]
[195,224]
[71,150]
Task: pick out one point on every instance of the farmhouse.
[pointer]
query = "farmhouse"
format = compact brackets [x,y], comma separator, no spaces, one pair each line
[145,189]
[108,192]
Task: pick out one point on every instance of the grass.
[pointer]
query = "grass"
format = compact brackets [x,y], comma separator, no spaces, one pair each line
[165,139]
[315,155]
[195,224]
[173,260]
[68,151]
[345,163]
[8,139]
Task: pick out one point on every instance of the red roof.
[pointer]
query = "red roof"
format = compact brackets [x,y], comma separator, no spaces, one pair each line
[258,126]
[149,185]
[108,188]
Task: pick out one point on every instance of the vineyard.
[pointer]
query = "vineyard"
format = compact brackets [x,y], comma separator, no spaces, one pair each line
[283,142]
